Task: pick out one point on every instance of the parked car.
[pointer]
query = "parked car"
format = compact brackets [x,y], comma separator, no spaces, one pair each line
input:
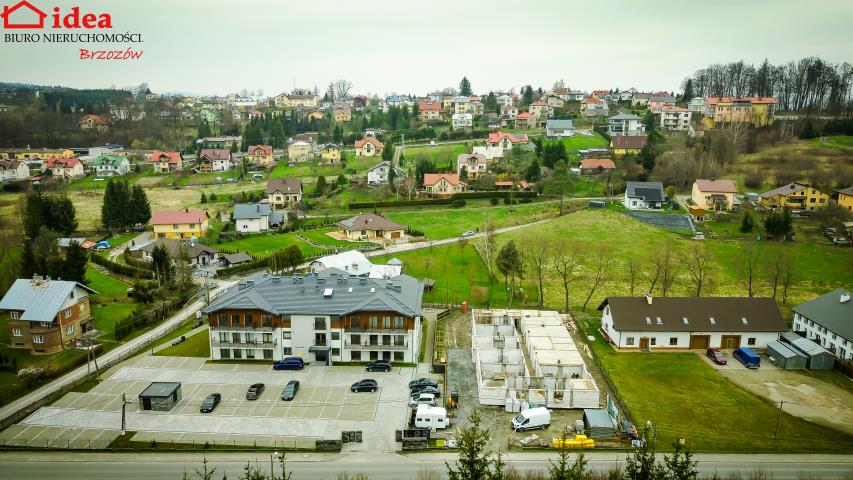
[254,392]
[290,390]
[539,417]
[366,385]
[422,399]
[747,357]
[469,233]
[716,356]
[423,382]
[289,363]
[379,366]
[210,402]
[427,389]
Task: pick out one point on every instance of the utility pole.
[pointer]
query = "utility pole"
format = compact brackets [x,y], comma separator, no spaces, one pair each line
[778,420]
[124,404]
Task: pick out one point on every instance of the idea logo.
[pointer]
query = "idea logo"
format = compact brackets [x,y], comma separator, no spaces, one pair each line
[26,15]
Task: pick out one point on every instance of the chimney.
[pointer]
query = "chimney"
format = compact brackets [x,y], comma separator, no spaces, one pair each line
[649,298]
[186,210]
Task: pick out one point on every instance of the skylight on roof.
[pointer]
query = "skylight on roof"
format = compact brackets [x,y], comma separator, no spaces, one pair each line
[743,319]
[658,320]
[372,290]
[713,322]
[327,293]
[648,321]
[684,319]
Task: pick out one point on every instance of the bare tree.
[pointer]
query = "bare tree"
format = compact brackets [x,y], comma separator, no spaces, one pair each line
[664,267]
[489,247]
[410,185]
[635,272]
[747,265]
[600,263]
[788,277]
[539,257]
[700,265]
[341,88]
[774,266]
[566,261]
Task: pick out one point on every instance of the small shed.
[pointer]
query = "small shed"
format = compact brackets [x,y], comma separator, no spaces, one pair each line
[160,396]
[817,357]
[784,356]
[598,423]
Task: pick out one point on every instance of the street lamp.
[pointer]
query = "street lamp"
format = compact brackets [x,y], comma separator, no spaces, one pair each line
[276,456]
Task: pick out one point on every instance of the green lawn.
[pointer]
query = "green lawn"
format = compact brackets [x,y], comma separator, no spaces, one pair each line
[840,141]
[443,155]
[264,245]
[111,304]
[314,168]
[210,178]
[577,142]
[685,398]
[197,345]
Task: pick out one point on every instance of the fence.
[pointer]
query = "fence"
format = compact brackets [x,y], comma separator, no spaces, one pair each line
[582,327]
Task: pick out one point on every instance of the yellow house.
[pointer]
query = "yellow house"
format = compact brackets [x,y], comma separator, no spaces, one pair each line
[261,155]
[330,153]
[714,194]
[44,154]
[796,196]
[757,111]
[316,115]
[180,224]
[845,198]
[342,115]
[622,145]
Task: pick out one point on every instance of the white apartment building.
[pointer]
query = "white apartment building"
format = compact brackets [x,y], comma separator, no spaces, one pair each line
[828,321]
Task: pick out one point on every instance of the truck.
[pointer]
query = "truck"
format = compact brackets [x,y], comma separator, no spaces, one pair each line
[747,357]
[431,417]
[532,418]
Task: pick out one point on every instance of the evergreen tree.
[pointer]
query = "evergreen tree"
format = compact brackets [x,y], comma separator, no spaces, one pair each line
[28,260]
[204,130]
[388,152]
[341,181]
[33,214]
[681,466]
[509,262]
[162,265]
[808,131]
[641,464]
[526,95]
[203,198]
[140,206]
[533,172]
[320,186]
[475,461]
[748,223]
[74,267]
[465,88]
[688,91]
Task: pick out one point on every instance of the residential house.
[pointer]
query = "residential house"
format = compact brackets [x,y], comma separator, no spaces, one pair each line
[316,115]
[66,168]
[525,120]
[429,111]
[198,254]
[559,128]
[352,262]
[342,114]
[698,106]
[256,217]
[658,102]
[443,184]
[601,94]
[370,226]
[283,192]
[307,137]
[180,224]
[461,120]
[323,317]
[477,108]
[797,196]
[554,101]
[44,315]
[643,195]
[844,198]
[490,152]
[694,323]
[111,165]
[255,114]
[506,140]
[828,320]
[505,100]
[462,104]
[226,141]
[330,153]
[594,166]
[13,170]
[166,162]
[625,124]
[592,107]
[627,145]
[723,111]
[562,92]
[94,122]
[509,112]
[285,100]
[474,165]
[541,110]
[675,118]
[640,99]
[380,173]
[577,95]
[300,152]
[368,147]
[214,160]
[235,259]
[763,110]
[261,155]
[714,194]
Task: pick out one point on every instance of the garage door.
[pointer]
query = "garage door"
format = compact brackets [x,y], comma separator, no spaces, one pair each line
[730,342]
[395,234]
[699,342]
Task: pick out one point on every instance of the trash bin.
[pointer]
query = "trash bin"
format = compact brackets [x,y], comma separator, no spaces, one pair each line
[465,307]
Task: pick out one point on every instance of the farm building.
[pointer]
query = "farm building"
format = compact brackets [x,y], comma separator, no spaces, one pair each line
[161,396]
[817,357]
[785,356]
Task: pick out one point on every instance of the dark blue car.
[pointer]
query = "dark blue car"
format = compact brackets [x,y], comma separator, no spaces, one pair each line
[289,363]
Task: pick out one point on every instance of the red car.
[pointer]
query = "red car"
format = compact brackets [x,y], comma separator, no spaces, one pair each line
[716,356]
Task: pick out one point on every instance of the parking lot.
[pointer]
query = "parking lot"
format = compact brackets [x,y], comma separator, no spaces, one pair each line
[322,409]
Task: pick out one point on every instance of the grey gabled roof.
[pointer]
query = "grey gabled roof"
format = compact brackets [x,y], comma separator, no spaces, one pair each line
[559,124]
[830,312]
[369,221]
[39,300]
[251,211]
[238,257]
[649,191]
[625,116]
[305,295]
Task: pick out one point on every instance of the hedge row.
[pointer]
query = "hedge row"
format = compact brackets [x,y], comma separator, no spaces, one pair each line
[499,194]
[443,201]
[121,269]
[137,263]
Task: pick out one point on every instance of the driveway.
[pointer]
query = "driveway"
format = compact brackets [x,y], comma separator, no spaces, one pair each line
[143,238]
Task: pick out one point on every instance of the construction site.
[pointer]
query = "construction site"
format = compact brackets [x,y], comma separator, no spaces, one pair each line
[528,357]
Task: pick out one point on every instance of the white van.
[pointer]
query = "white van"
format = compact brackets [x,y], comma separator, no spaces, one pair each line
[422,399]
[532,418]
[431,417]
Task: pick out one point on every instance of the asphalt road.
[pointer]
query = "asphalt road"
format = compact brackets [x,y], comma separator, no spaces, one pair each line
[151,466]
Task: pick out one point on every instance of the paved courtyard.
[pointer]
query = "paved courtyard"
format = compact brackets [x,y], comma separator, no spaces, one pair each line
[323,408]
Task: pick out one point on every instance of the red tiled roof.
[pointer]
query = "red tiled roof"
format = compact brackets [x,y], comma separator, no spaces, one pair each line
[173,157]
[174,218]
[562,91]
[629,142]
[496,137]
[64,162]
[376,143]
[714,185]
[215,153]
[524,115]
[593,163]
[95,118]
[591,100]
[266,149]
[503,184]
[425,106]
[757,100]
[600,92]
[433,178]
[672,108]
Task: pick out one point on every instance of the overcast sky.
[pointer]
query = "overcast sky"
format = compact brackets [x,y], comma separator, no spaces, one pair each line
[403,46]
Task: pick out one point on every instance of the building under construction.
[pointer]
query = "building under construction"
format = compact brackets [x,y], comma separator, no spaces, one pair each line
[529,356]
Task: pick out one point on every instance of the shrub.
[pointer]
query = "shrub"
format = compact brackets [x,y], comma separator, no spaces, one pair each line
[507,200]
[458,203]
[753,179]
[494,200]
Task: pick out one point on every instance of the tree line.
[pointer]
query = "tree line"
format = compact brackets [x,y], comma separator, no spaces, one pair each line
[810,84]
[45,219]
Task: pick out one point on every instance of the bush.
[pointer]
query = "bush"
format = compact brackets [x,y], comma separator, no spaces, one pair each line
[753,179]
[507,200]
[458,202]
[494,200]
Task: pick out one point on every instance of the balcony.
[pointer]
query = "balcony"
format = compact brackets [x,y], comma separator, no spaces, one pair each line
[392,331]
[375,346]
[230,344]
[243,329]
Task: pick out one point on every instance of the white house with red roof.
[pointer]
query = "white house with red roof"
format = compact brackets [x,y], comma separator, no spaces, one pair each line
[67,168]
[443,184]
[675,118]
[180,224]
[368,147]
[165,162]
[506,140]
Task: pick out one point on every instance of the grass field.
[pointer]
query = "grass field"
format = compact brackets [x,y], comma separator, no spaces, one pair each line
[314,168]
[691,400]
[264,245]
[840,141]
[442,155]
[197,345]
[111,304]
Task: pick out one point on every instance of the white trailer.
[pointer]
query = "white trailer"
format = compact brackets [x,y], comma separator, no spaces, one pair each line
[431,417]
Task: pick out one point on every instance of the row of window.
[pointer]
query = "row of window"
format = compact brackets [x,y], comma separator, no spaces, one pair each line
[320,323]
[247,353]
[17,332]
[673,341]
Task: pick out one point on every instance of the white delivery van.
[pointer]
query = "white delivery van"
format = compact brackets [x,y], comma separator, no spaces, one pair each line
[532,418]
[431,417]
